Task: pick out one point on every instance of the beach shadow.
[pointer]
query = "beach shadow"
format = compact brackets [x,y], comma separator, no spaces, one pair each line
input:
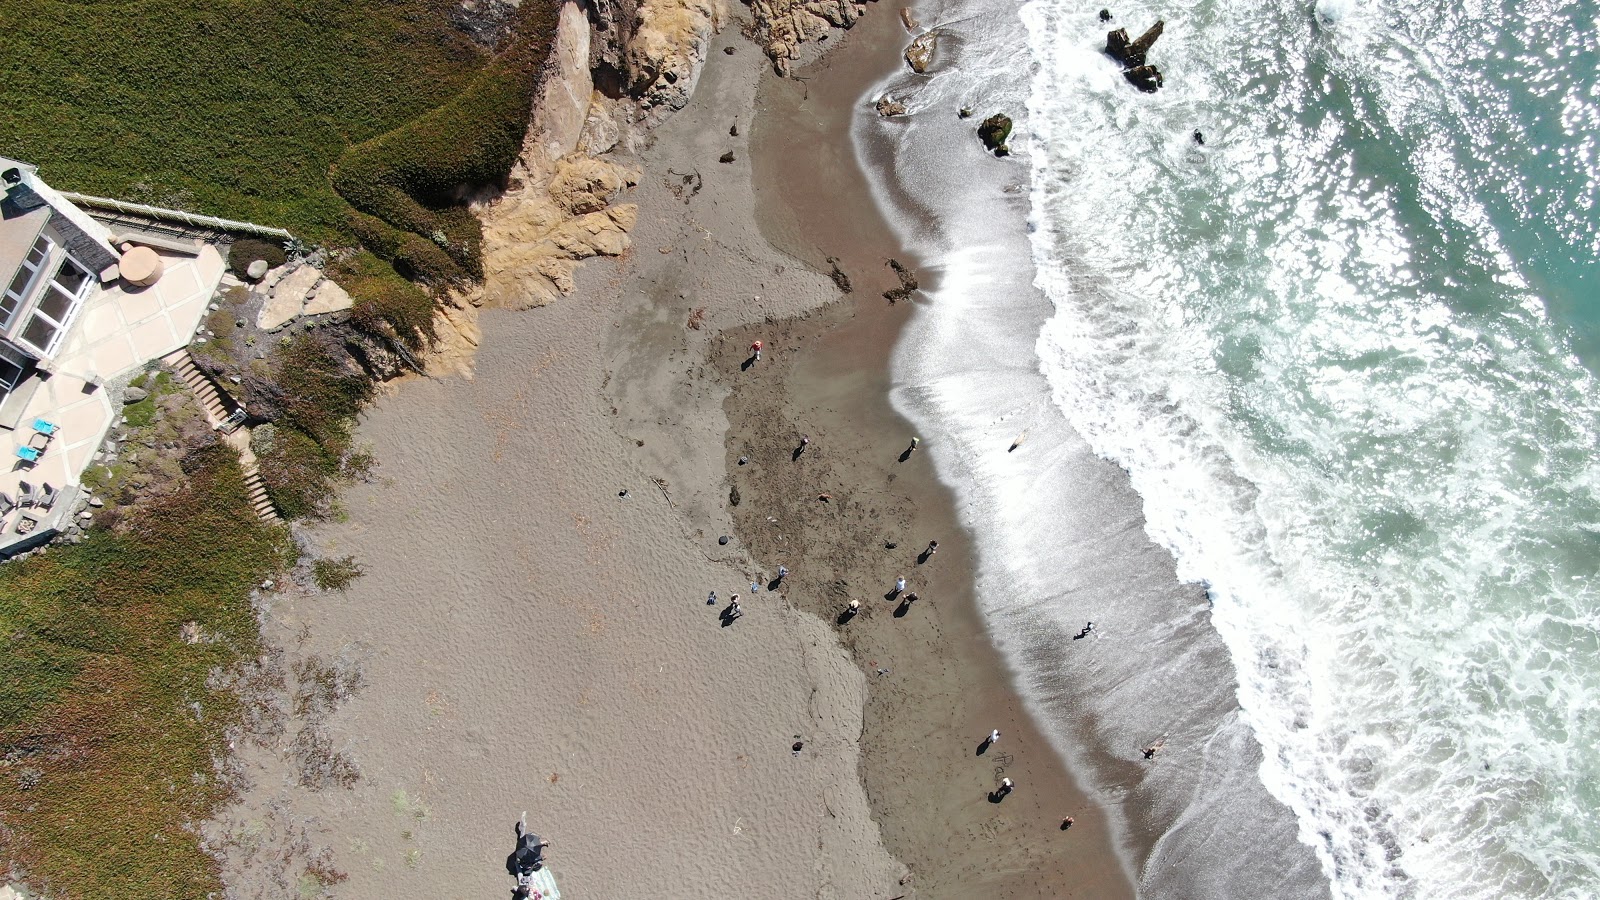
[845,617]
[727,617]
[983,747]
[923,557]
[774,584]
[795,456]
[905,454]
[745,366]
[901,610]
[893,593]
[997,796]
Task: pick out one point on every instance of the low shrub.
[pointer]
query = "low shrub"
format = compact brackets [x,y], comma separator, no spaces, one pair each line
[336,574]
[385,305]
[247,250]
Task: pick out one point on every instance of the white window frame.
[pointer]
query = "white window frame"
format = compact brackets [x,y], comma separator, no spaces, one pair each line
[74,304]
[32,284]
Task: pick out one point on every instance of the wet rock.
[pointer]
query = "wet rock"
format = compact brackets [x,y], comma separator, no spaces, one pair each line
[1132,53]
[726,157]
[920,54]
[908,282]
[907,19]
[994,131]
[1146,78]
[1105,15]
[888,106]
[965,113]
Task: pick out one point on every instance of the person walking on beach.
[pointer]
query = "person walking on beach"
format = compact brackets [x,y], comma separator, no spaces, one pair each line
[711,599]
[994,737]
[755,587]
[1068,822]
[783,572]
[755,351]
[733,611]
[933,547]
[1005,788]
[899,585]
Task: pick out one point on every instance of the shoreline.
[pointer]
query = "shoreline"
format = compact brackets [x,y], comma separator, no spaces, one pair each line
[836,385]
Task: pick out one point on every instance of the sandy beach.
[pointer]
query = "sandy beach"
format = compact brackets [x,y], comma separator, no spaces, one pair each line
[533,633]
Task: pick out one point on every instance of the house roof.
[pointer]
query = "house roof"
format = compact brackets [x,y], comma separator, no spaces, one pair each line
[16,237]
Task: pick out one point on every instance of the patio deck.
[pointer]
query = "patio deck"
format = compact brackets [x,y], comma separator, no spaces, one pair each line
[118,331]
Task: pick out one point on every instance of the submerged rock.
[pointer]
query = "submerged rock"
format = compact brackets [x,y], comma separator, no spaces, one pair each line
[888,106]
[994,131]
[920,54]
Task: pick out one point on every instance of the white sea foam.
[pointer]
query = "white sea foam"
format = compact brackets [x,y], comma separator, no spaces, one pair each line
[1314,347]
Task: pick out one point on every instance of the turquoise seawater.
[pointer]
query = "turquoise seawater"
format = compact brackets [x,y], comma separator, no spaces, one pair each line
[1346,350]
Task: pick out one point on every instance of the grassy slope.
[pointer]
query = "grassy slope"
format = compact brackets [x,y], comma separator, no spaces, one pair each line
[106,722]
[229,107]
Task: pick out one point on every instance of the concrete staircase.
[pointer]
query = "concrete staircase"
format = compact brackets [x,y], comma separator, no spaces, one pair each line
[226,421]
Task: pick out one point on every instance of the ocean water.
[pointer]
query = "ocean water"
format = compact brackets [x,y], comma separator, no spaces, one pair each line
[1345,353]
[1336,349]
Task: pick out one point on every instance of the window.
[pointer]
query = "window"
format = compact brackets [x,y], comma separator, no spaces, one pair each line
[60,300]
[12,373]
[22,283]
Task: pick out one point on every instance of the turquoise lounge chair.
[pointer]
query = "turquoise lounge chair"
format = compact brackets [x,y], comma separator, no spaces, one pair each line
[44,427]
[31,454]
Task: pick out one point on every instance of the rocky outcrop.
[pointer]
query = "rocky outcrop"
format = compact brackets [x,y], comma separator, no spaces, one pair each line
[1131,54]
[784,27]
[558,208]
[888,106]
[994,131]
[297,292]
[920,54]
[1145,78]
[668,49]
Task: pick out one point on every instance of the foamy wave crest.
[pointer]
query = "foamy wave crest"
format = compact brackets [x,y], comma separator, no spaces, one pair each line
[1314,345]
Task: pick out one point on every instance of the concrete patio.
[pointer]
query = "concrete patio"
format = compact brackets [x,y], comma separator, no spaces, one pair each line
[119,330]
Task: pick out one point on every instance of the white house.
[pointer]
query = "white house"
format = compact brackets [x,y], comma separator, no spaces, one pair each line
[85,306]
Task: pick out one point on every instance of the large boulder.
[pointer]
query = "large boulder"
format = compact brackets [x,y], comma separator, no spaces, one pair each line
[1145,78]
[920,54]
[994,131]
[888,106]
[1131,53]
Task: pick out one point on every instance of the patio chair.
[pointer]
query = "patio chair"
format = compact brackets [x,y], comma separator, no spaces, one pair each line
[29,454]
[6,504]
[39,440]
[45,427]
[47,496]
[25,495]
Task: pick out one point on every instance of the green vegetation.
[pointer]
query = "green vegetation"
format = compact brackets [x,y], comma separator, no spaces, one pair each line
[247,250]
[107,726]
[239,108]
[230,107]
[307,450]
[410,177]
[336,574]
[385,306]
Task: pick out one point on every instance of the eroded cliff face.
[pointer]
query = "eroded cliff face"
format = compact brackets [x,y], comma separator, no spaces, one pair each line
[669,47]
[558,208]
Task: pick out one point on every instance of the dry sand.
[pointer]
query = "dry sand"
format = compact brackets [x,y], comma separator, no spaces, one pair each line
[527,638]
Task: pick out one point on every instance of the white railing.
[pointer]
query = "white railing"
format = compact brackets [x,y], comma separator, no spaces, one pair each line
[177,215]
